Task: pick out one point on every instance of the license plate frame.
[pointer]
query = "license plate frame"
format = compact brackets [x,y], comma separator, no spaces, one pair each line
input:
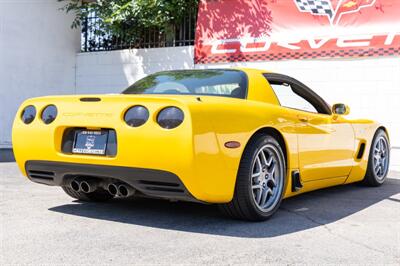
[90,142]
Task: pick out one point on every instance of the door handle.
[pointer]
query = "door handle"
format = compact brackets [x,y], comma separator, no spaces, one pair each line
[303,118]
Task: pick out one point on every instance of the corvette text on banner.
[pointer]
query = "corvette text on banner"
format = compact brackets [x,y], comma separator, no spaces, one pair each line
[257,30]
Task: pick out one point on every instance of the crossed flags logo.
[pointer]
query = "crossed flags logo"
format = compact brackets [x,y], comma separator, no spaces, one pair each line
[333,9]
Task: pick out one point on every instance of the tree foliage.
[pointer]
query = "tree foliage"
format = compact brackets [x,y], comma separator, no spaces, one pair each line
[120,15]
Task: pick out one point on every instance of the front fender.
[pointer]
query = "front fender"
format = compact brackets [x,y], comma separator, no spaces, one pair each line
[364,131]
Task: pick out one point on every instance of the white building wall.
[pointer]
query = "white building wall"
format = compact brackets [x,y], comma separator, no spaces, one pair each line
[37,55]
[370,86]
[111,72]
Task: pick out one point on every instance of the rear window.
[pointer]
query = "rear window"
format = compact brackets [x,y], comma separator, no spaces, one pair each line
[228,83]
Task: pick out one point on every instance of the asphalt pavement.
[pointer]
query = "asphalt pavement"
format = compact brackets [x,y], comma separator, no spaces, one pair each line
[350,224]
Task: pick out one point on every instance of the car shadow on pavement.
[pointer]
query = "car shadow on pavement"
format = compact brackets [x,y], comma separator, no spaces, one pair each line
[296,214]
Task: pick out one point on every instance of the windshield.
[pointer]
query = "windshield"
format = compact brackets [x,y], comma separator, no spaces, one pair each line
[229,83]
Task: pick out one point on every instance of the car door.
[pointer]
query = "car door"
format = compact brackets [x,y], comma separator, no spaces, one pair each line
[326,146]
[325,141]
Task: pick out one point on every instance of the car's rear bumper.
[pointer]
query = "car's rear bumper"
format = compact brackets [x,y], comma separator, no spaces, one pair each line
[193,151]
[150,182]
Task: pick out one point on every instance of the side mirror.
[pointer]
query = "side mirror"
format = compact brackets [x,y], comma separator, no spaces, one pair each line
[340,109]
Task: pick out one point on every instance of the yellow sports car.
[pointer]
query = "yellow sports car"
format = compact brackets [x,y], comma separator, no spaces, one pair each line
[241,138]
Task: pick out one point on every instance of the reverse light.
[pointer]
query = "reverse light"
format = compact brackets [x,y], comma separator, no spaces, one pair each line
[28,114]
[170,117]
[49,114]
[136,116]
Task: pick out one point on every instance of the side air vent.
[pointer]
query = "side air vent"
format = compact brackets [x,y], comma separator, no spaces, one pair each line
[44,175]
[161,186]
[361,151]
[90,99]
[296,181]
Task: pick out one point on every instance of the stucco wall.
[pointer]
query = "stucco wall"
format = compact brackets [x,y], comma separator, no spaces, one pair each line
[371,86]
[37,55]
[46,65]
[111,72]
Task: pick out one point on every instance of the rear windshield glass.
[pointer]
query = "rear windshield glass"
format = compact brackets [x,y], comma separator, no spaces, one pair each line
[229,83]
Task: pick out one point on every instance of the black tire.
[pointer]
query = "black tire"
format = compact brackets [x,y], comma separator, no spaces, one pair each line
[243,205]
[372,178]
[96,196]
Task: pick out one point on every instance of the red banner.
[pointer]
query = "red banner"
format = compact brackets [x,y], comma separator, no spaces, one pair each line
[260,30]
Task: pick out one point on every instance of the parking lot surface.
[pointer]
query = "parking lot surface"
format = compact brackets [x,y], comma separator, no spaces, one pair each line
[340,225]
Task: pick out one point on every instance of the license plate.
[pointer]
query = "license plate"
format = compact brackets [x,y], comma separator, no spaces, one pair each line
[90,142]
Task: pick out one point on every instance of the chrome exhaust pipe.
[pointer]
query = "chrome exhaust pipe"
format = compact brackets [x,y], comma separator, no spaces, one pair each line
[113,189]
[75,185]
[88,186]
[125,190]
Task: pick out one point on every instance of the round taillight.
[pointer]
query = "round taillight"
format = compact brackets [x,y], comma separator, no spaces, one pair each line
[170,117]
[136,116]
[28,114]
[49,114]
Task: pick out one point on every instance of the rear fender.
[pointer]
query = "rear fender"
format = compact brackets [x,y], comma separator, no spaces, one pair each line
[215,124]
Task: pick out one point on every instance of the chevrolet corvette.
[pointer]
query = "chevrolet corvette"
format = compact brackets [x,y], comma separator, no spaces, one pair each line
[241,138]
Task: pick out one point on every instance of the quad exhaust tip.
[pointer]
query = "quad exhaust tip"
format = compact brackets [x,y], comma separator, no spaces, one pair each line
[125,191]
[115,189]
[120,190]
[85,186]
[88,186]
[75,185]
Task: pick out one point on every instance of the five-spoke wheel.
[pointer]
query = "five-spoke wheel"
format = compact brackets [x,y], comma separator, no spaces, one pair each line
[267,178]
[260,181]
[379,159]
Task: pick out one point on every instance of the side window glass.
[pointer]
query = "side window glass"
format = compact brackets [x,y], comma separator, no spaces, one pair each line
[288,98]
